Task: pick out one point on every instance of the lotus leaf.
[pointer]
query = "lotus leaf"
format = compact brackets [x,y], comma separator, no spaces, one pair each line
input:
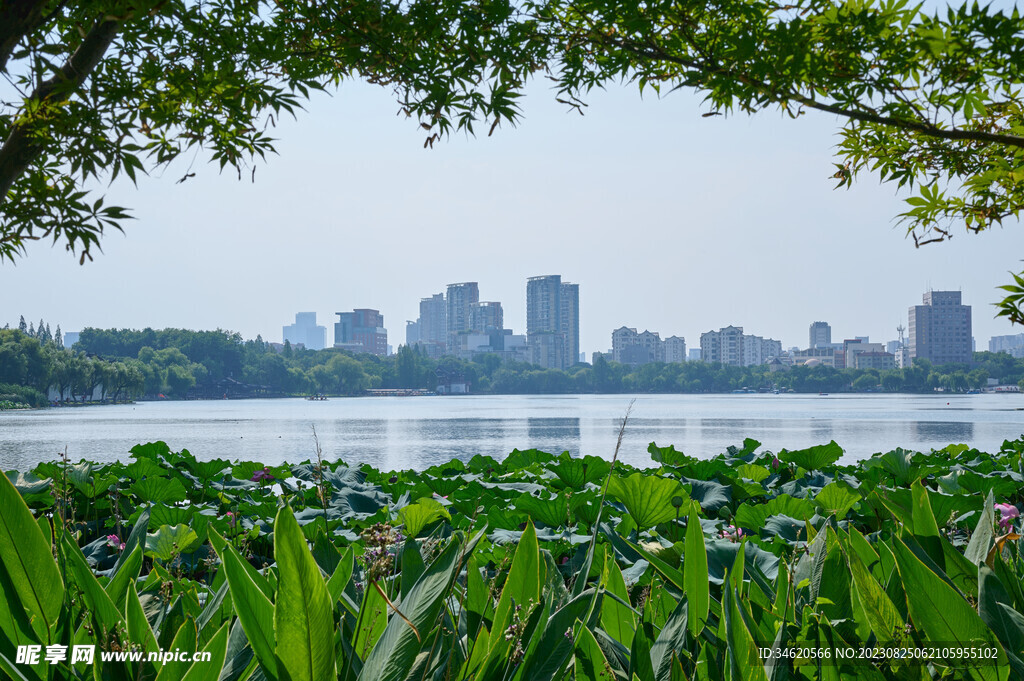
[648,498]
[417,516]
[156,490]
[753,516]
[836,499]
[815,457]
[167,542]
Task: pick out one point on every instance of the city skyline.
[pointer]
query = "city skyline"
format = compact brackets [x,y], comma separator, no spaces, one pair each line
[733,220]
[477,309]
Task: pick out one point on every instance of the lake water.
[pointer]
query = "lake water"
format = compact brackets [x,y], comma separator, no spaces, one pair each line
[416,432]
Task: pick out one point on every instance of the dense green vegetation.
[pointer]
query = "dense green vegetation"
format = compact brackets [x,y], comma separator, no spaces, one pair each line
[125,364]
[535,567]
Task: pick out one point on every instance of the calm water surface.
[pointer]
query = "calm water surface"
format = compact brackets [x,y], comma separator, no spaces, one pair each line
[416,432]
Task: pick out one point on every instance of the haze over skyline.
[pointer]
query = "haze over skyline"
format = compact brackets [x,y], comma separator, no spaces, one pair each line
[668,221]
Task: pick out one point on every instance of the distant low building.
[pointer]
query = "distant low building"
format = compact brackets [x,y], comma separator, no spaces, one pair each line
[1012,345]
[469,343]
[820,356]
[857,346]
[882,361]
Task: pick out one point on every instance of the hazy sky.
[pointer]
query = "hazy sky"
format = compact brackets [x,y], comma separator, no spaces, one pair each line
[668,221]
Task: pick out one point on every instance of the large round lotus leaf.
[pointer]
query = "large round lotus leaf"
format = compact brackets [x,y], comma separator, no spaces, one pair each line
[647,498]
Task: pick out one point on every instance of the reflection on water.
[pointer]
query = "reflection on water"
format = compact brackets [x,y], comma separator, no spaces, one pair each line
[397,433]
[944,433]
[822,431]
[563,432]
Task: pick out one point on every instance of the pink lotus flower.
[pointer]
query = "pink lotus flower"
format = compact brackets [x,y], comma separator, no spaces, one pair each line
[731,532]
[262,474]
[231,518]
[775,463]
[114,542]
[1007,512]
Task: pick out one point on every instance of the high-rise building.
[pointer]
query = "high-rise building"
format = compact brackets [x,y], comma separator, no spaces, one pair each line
[305,332]
[544,331]
[433,319]
[553,319]
[940,330]
[361,330]
[570,321]
[820,335]
[486,317]
[412,332]
[459,303]
[431,327]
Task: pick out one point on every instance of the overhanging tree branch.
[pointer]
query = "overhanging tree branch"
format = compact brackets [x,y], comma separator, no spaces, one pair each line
[20,149]
[654,52]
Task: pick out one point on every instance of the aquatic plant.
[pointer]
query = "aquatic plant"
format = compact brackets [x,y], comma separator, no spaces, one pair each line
[750,565]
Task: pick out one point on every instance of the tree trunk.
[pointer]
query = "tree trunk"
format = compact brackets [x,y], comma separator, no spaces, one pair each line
[18,18]
[20,148]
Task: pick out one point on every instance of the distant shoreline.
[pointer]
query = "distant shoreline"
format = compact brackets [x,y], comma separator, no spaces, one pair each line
[421,394]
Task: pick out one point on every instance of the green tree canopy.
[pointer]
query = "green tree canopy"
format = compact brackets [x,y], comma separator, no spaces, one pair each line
[929,101]
[99,88]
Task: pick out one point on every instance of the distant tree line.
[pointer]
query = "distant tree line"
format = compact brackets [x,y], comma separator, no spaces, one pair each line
[121,364]
[32,361]
[221,355]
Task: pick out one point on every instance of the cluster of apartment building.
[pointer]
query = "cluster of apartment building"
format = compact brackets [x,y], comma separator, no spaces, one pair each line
[456,322]
[940,331]
[632,348]
[729,345]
